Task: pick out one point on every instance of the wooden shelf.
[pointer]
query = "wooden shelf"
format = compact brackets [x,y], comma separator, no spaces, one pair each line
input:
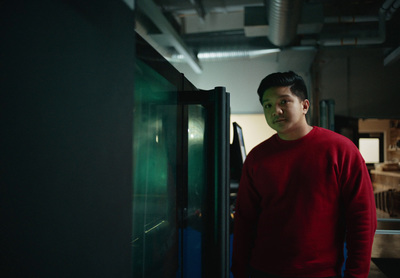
[395,174]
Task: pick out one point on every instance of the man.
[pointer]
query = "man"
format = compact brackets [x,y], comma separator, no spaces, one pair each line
[303,193]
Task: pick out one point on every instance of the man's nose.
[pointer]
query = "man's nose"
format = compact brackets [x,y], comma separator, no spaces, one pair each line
[278,110]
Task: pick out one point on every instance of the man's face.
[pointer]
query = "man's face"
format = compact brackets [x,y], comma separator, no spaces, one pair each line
[284,111]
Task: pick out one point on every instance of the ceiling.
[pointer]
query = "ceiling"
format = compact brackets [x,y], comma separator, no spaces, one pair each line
[191,31]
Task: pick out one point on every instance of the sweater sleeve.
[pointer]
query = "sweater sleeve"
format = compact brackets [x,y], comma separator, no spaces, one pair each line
[360,213]
[245,225]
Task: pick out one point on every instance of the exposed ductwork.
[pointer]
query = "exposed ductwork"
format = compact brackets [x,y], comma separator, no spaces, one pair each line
[384,14]
[284,16]
[248,28]
[284,19]
[390,7]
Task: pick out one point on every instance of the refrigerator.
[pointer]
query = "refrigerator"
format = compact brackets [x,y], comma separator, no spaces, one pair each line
[180,173]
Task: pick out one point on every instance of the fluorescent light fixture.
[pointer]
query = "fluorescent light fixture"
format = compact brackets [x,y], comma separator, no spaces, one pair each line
[225,55]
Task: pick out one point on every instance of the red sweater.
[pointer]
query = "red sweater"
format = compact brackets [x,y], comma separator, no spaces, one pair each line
[297,201]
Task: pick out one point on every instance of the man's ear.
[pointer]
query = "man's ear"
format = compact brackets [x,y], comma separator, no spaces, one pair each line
[306,106]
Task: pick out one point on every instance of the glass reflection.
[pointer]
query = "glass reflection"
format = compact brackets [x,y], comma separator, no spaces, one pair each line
[155,235]
[193,232]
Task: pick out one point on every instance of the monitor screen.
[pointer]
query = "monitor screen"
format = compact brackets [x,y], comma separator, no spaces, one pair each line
[237,152]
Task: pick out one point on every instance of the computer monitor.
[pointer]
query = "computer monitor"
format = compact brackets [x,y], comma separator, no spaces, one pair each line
[237,153]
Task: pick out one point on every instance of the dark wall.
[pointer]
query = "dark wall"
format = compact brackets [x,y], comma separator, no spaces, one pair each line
[66,87]
[358,81]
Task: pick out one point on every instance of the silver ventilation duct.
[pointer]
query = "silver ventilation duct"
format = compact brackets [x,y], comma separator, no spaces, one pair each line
[284,16]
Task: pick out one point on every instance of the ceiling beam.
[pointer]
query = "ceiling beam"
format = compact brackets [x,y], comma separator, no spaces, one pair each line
[153,12]
[198,5]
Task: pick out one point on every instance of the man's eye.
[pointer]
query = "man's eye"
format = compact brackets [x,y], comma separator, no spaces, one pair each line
[284,101]
[266,106]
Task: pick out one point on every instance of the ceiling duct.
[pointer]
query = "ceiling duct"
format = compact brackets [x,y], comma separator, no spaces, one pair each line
[284,16]
[385,13]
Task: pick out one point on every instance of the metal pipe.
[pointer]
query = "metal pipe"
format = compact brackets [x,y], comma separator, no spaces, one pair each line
[393,8]
[351,19]
[385,12]
[380,38]
[284,16]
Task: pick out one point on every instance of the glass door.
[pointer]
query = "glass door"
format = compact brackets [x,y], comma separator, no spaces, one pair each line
[194,190]
[180,180]
[155,213]
[205,192]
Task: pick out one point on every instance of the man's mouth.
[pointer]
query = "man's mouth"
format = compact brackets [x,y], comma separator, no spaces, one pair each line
[279,120]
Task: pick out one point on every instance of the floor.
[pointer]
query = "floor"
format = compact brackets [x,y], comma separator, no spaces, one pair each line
[385,261]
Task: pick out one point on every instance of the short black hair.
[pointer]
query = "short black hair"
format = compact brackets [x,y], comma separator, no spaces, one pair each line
[284,79]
